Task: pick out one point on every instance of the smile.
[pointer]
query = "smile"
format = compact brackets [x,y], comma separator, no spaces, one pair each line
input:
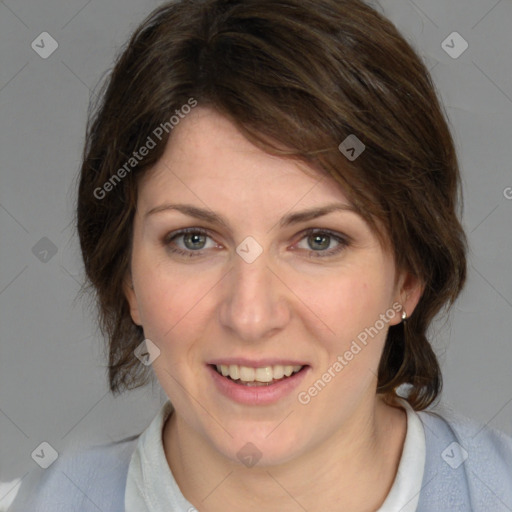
[262,376]
[260,385]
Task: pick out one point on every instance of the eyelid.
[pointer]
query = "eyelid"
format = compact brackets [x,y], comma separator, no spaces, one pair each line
[183,231]
[330,232]
[169,237]
[341,238]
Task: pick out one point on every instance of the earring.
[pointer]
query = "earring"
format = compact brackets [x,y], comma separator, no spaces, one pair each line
[404,315]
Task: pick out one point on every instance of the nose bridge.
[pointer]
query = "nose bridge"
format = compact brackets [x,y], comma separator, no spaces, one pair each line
[254,303]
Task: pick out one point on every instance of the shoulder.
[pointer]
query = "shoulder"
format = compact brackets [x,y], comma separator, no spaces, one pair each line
[481,443]
[87,479]
[468,464]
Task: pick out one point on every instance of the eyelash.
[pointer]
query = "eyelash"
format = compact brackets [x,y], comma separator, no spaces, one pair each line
[168,239]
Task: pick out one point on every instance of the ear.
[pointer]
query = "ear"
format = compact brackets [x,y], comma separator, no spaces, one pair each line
[131,298]
[409,290]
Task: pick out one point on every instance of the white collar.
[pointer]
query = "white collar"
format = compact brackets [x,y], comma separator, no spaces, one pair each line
[405,492]
[151,487]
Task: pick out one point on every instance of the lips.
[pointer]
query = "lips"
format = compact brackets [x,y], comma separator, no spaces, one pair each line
[257,363]
[253,391]
[259,375]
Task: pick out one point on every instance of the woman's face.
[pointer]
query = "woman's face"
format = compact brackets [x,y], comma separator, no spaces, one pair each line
[257,283]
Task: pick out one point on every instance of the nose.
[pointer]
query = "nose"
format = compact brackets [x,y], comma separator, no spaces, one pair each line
[255,301]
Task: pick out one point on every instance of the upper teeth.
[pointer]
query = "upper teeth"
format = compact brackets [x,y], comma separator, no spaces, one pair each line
[264,374]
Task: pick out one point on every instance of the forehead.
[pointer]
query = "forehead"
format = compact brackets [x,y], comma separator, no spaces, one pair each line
[207,155]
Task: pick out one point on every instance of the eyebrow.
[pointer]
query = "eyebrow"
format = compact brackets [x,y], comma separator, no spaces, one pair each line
[214,218]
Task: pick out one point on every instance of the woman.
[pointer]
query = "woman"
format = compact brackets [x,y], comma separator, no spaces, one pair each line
[267,212]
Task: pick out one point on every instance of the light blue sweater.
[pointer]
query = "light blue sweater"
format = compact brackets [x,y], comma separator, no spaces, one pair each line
[94,480]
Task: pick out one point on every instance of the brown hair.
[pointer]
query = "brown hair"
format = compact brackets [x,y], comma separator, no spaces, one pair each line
[296,74]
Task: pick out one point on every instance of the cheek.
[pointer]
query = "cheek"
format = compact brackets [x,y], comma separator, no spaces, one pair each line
[170,303]
[170,312]
[351,303]
[352,307]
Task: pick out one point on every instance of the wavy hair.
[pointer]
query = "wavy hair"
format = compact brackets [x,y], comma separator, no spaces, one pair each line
[297,77]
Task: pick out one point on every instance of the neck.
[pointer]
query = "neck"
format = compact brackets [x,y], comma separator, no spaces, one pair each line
[355,466]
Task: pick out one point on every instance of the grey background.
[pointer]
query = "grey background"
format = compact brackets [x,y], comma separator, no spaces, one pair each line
[53,383]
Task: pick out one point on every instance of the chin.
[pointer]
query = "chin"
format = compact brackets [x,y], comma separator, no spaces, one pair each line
[258,449]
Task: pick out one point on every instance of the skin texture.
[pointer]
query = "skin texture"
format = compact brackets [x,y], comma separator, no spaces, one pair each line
[344,446]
